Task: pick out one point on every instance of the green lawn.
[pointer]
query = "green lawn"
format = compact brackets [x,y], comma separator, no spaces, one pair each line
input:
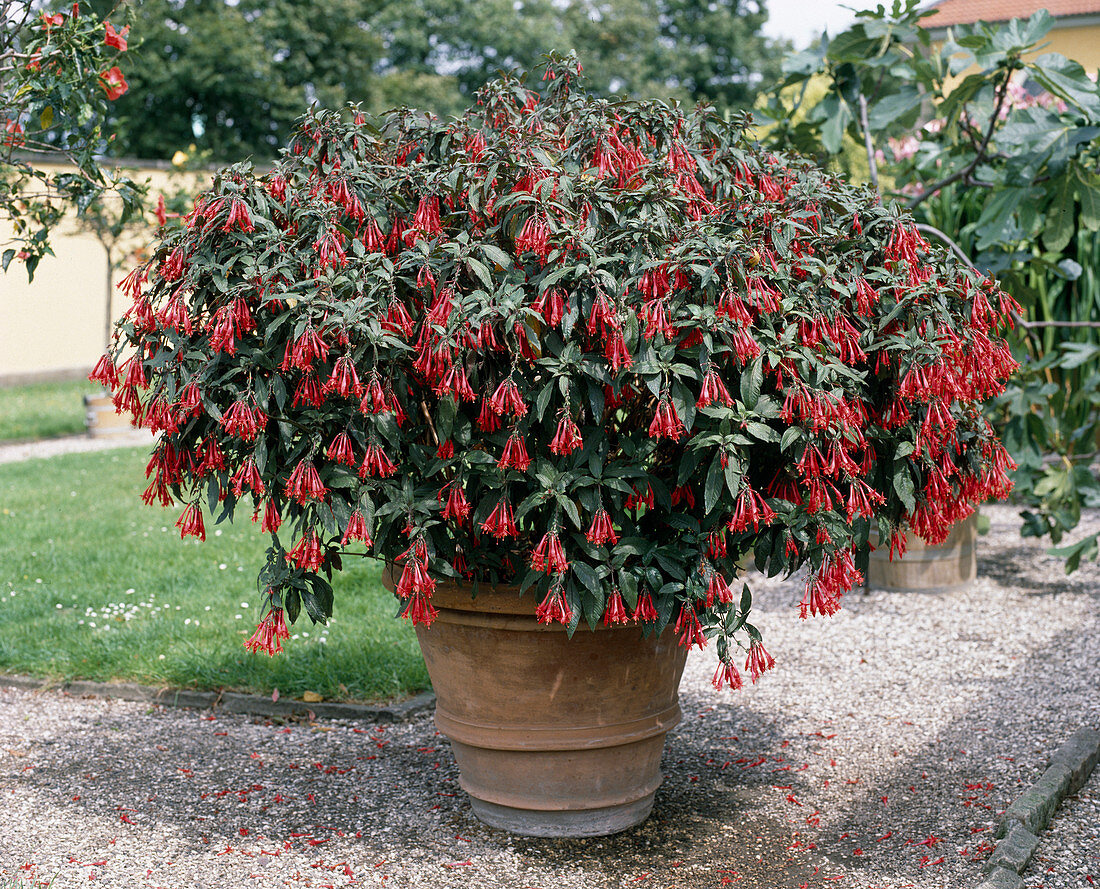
[96,585]
[43,410]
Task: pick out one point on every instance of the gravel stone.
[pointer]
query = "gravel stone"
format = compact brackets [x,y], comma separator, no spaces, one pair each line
[879,754]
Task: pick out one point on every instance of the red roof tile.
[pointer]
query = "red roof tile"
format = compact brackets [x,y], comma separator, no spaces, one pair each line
[964,12]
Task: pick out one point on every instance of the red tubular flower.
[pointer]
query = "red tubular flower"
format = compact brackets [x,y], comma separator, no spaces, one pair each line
[549,556]
[344,380]
[641,498]
[308,554]
[238,217]
[419,609]
[727,675]
[357,530]
[758,661]
[713,390]
[374,397]
[304,483]
[501,522]
[376,463]
[105,373]
[683,494]
[666,422]
[602,316]
[309,347]
[554,608]
[240,420]
[689,629]
[551,305]
[340,450]
[600,531]
[456,383]
[535,237]
[248,476]
[655,315]
[744,346]
[457,507]
[210,458]
[272,519]
[190,523]
[268,633]
[750,509]
[645,612]
[426,221]
[446,450]
[615,613]
[507,399]
[487,420]
[373,239]
[515,454]
[567,438]
[308,392]
[718,589]
[616,352]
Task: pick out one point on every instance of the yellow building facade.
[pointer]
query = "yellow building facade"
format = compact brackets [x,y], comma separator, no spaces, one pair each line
[1075,33]
[55,327]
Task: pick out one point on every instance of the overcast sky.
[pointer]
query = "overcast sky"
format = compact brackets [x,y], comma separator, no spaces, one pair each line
[802,20]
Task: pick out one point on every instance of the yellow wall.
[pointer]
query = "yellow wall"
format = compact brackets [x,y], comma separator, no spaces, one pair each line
[55,326]
[1080,43]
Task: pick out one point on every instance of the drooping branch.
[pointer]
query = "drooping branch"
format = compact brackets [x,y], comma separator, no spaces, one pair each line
[979,154]
[1019,319]
[867,143]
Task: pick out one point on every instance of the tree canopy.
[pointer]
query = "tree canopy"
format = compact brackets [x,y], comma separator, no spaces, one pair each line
[232,78]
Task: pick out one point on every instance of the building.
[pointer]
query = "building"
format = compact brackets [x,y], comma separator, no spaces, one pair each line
[1075,34]
[56,326]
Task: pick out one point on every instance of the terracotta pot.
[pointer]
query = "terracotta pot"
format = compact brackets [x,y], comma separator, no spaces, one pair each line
[952,565]
[553,736]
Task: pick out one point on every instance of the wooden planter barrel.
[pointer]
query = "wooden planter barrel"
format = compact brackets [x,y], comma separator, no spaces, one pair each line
[100,419]
[554,737]
[952,565]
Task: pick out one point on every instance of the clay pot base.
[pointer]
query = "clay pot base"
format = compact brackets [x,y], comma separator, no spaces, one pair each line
[553,737]
[575,824]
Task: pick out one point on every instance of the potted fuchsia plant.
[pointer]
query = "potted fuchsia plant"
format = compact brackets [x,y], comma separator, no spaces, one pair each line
[562,364]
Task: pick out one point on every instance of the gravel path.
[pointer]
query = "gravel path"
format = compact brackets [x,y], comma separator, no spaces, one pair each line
[12,452]
[877,754]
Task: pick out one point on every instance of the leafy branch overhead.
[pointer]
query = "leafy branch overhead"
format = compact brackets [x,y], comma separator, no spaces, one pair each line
[59,73]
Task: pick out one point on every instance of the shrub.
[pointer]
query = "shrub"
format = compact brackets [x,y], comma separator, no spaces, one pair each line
[603,351]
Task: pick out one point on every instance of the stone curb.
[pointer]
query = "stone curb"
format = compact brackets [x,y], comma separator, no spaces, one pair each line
[230,702]
[1017,831]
